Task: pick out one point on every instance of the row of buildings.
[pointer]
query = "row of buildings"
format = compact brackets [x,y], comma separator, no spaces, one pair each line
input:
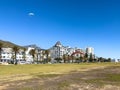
[56,51]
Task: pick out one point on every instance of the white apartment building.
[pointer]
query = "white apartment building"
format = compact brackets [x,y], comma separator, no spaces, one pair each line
[8,55]
[58,50]
[28,56]
[89,50]
[70,50]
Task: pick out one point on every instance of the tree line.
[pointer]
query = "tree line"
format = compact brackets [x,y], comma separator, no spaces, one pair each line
[86,58]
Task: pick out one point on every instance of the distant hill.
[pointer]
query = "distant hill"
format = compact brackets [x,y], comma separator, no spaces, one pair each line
[33,46]
[7,44]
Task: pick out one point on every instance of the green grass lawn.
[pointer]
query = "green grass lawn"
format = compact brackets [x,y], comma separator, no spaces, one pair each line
[6,70]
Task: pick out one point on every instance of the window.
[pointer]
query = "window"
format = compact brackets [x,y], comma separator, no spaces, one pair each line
[3,57]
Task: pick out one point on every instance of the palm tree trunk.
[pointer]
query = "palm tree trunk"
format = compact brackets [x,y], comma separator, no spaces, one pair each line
[15,59]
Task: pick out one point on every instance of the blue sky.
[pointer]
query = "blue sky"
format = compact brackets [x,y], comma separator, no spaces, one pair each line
[77,23]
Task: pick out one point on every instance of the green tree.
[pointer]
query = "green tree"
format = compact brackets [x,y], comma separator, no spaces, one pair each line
[81,59]
[109,60]
[101,59]
[91,57]
[1,45]
[32,52]
[42,53]
[47,53]
[69,58]
[65,57]
[38,55]
[77,59]
[24,54]
[72,57]
[86,57]
[58,59]
[15,50]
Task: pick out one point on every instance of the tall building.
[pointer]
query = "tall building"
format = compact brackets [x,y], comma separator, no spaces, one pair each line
[90,50]
[57,51]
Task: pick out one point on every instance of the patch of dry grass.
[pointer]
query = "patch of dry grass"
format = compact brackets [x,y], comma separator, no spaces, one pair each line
[36,77]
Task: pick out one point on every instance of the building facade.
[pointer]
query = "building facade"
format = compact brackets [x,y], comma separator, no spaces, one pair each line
[57,51]
[90,50]
[7,54]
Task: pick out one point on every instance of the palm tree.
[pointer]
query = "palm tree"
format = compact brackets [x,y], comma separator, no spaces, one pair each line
[1,45]
[72,57]
[15,51]
[33,52]
[38,52]
[24,54]
[47,52]
[69,58]
[42,54]
[65,58]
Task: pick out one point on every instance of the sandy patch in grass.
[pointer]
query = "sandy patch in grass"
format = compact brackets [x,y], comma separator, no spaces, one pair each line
[15,78]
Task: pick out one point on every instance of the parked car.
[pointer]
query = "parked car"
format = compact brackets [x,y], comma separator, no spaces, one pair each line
[22,62]
[28,62]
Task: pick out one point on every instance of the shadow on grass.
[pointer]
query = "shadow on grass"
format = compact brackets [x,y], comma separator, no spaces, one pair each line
[48,75]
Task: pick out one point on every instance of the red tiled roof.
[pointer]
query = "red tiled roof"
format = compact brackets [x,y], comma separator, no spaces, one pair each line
[77,52]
